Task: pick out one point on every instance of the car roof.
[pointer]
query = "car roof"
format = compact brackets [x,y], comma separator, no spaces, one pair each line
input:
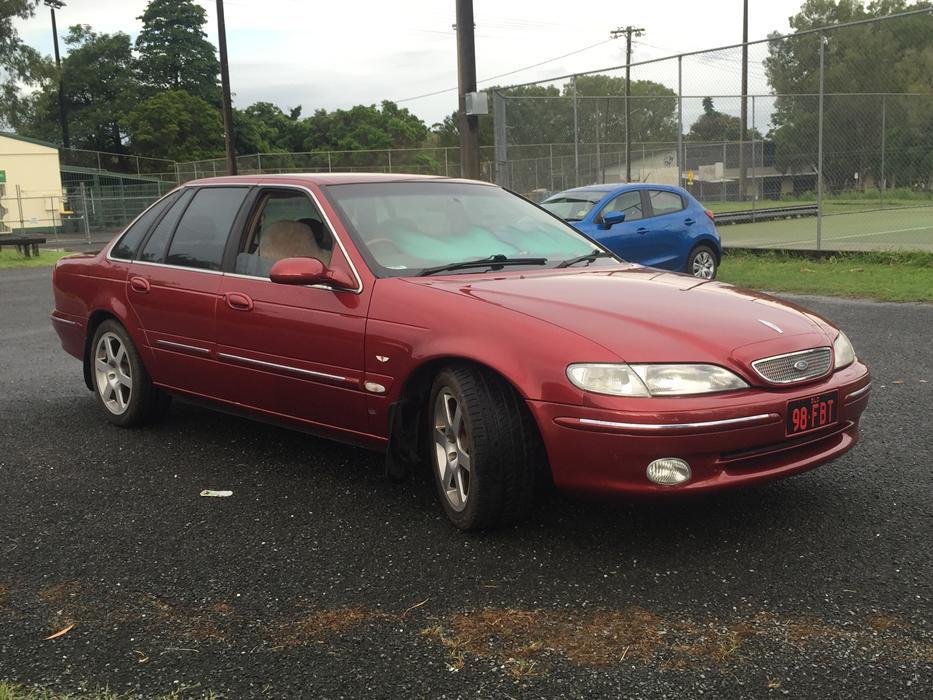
[329,179]
[620,186]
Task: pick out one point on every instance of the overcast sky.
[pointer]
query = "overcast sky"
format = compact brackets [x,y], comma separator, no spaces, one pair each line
[337,54]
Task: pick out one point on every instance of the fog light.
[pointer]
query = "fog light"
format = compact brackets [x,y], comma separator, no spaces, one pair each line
[669,471]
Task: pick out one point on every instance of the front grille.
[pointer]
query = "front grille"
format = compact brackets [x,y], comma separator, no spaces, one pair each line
[796,366]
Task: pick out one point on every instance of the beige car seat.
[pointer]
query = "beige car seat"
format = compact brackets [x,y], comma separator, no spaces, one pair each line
[291,239]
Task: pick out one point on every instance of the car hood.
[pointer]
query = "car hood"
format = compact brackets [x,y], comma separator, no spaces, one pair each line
[646,315]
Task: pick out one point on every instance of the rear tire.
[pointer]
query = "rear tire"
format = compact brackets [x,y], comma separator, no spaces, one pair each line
[121,383]
[702,263]
[483,448]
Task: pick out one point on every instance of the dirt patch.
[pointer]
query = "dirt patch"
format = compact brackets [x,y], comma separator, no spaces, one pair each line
[211,623]
[319,626]
[60,593]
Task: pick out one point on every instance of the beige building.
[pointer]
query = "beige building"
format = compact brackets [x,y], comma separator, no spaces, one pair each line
[30,185]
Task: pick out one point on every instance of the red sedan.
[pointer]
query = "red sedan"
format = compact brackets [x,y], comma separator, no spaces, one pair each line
[453,323]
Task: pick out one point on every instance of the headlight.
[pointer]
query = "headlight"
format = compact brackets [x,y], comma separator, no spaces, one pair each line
[843,350]
[653,380]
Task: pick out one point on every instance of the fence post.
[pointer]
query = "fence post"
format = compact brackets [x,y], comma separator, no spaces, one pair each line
[819,149]
[87,225]
[446,165]
[500,137]
[258,163]
[576,139]
[722,180]
[680,121]
[328,163]
[754,181]
[19,204]
[599,164]
[389,153]
[884,182]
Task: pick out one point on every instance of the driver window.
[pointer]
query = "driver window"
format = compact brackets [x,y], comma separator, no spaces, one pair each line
[628,203]
[286,224]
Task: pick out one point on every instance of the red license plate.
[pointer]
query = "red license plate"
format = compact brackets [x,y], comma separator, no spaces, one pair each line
[812,413]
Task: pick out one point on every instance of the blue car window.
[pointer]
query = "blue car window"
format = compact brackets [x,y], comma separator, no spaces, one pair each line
[628,203]
[665,202]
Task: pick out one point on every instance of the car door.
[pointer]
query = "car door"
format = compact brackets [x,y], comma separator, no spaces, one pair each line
[626,239]
[174,285]
[668,223]
[291,350]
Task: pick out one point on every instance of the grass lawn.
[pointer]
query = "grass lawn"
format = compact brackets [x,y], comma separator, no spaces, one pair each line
[884,276]
[10,258]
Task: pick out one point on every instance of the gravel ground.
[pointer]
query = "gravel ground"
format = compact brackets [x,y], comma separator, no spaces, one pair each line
[318,578]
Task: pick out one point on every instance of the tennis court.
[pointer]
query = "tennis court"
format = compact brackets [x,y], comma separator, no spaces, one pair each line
[900,228]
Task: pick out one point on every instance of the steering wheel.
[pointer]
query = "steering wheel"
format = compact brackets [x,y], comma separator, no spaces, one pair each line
[383,242]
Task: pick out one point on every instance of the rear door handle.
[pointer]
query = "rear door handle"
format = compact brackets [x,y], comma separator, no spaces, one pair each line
[641,230]
[139,284]
[690,222]
[239,301]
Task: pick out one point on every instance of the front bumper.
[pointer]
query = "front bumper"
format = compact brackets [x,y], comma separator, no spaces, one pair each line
[728,440]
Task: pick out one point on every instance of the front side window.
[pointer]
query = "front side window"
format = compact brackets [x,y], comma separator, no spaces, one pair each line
[286,224]
[201,236]
[663,202]
[403,228]
[125,248]
[628,203]
[573,206]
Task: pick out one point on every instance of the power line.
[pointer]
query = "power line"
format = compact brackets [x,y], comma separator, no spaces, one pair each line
[511,72]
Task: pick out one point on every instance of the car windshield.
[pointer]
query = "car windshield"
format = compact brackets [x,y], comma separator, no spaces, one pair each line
[573,206]
[405,228]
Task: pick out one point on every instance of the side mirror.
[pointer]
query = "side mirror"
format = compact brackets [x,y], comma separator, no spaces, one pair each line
[304,271]
[611,219]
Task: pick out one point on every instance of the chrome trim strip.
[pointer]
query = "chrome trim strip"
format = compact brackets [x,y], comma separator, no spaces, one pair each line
[63,320]
[182,346]
[287,368]
[791,354]
[317,203]
[678,426]
[858,392]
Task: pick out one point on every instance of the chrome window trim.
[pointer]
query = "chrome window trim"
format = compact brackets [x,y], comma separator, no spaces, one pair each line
[792,354]
[678,426]
[287,368]
[317,202]
[63,320]
[182,346]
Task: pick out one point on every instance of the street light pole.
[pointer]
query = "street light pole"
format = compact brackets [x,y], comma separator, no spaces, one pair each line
[628,31]
[229,136]
[62,111]
[466,82]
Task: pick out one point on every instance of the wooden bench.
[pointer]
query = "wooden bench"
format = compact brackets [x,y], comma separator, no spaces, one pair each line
[26,245]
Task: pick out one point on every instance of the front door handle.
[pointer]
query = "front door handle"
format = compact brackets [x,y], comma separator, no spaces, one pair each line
[238,301]
[139,284]
[641,230]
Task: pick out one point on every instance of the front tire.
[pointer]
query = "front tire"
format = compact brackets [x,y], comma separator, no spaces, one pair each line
[483,448]
[702,263]
[121,383]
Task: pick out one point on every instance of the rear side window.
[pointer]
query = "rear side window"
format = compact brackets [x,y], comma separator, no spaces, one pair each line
[154,249]
[126,247]
[665,202]
[202,232]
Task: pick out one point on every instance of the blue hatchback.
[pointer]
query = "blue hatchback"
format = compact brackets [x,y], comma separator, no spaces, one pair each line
[656,225]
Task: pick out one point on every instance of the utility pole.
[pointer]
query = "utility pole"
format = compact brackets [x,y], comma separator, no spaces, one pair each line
[628,31]
[62,111]
[229,136]
[466,82]
[743,125]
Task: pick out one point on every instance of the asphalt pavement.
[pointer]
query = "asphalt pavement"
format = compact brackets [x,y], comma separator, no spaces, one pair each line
[317,578]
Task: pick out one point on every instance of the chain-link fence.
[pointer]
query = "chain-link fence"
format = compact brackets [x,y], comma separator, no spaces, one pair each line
[831,147]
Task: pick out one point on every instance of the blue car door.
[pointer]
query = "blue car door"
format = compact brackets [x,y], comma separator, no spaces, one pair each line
[628,238]
[667,242]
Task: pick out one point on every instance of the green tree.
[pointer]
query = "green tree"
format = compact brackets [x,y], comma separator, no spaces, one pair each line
[19,64]
[175,125]
[882,57]
[99,91]
[264,128]
[713,126]
[174,53]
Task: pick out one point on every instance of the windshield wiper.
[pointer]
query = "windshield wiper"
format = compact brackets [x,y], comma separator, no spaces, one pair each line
[590,257]
[494,261]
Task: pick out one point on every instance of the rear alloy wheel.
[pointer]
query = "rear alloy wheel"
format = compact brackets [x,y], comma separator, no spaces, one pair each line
[483,448]
[121,383]
[702,263]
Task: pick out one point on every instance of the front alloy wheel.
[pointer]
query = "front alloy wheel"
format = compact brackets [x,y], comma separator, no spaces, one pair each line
[451,450]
